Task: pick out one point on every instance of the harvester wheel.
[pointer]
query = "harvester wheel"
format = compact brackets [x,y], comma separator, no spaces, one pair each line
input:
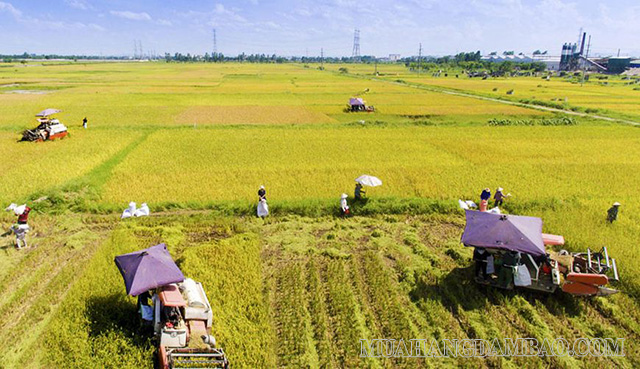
[576,268]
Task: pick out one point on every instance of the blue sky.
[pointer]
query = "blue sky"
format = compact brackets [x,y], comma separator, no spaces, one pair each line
[109,27]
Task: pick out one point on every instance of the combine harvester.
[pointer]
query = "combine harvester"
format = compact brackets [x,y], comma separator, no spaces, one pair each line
[507,238]
[181,314]
[48,128]
[357,104]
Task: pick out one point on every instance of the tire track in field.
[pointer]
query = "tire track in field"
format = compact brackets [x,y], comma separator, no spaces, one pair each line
[46,247]
[28,307]
[45,305]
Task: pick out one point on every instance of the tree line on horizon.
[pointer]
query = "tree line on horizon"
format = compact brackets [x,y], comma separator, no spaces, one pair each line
[469,61]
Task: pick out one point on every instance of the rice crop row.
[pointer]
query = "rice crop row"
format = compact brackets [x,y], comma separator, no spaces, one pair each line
[283,303]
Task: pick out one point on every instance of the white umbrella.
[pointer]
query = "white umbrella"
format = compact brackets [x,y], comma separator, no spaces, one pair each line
[367,180]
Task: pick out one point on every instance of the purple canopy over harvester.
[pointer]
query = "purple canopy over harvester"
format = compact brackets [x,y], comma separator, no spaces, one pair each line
[507,232]
[148,269]
[356,101]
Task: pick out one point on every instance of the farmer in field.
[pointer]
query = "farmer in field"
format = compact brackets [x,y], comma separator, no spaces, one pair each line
[612,213]
[263,208]
[145,309]
[20,229]
[480,256]
[484,199]
[359,192]
[262,193]
[498,197]
[510,261]
[344,208]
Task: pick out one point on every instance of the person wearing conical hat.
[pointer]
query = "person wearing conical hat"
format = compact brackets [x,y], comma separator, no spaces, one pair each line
[359,192]
[344,208]
[612,213]
[498,197]
[484,199]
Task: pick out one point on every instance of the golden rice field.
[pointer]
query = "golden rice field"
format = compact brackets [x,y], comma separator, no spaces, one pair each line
[614,96]
[301,288]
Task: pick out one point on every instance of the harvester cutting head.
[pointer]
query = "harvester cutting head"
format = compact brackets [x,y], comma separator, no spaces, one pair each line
[587,273]
[196,358]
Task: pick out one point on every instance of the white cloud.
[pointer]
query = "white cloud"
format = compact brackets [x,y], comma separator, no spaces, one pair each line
[58,25]
[164,22]
[231,14]
[8,8]
[78,4]
[131,15]
[96,27]
[272,25]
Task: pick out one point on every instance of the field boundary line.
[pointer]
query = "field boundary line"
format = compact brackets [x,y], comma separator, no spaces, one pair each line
[96,177]
[479,97]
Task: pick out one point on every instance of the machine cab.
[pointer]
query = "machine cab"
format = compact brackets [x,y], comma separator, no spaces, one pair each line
[168,318]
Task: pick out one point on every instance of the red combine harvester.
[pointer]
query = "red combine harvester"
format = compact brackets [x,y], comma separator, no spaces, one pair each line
[181,315]
[48,128]
[510,251]
[182,327]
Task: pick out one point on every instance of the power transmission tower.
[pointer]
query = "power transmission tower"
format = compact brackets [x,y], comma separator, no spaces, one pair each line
[321,59]
[420,59]
[140,48]
[135,49]
[215,43]
[584,63]
[355,55]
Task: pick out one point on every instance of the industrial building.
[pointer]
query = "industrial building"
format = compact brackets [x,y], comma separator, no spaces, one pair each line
[573,57]
[552,62]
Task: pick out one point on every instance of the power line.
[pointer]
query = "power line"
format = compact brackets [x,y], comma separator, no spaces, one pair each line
[420,59]
[356,46]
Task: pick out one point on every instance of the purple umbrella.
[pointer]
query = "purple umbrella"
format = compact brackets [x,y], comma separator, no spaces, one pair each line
[148,269]
[47,112]
[507,232]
